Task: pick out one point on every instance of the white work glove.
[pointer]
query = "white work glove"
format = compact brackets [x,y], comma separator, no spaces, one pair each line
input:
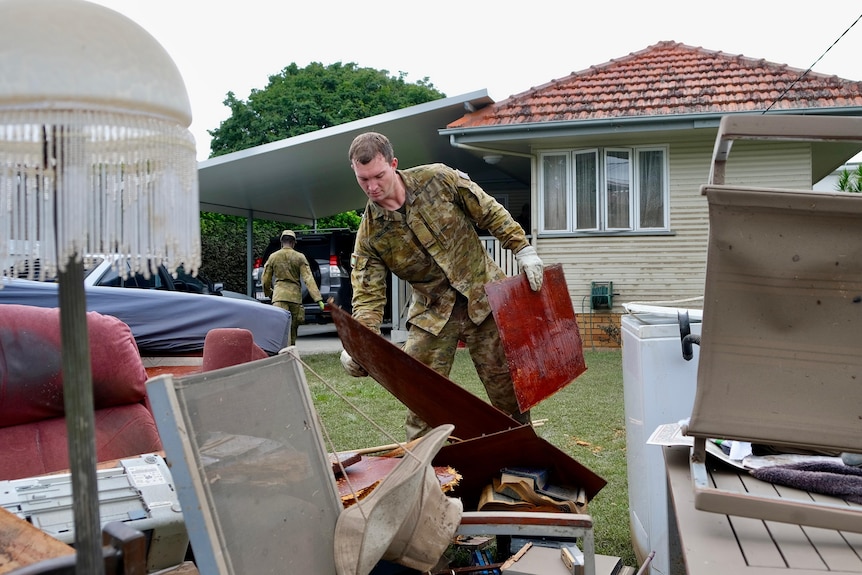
[350,366]
[529,261]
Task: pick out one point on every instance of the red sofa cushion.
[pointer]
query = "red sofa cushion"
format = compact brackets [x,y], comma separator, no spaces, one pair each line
[31,379]
[41,447]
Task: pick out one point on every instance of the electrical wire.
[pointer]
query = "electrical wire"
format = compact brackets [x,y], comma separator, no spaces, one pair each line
[802,75]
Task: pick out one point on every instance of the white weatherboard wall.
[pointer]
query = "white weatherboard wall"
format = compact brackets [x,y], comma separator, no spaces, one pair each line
[671,265]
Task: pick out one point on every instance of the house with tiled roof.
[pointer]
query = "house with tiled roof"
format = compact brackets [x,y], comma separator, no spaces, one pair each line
[617,153]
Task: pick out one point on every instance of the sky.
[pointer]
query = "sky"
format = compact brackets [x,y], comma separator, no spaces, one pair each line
[222,46]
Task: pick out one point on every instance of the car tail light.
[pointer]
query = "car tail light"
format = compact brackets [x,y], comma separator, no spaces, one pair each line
[334,270]
[258,262]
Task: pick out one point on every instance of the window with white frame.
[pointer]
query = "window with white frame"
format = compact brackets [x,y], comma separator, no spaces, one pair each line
[604,189]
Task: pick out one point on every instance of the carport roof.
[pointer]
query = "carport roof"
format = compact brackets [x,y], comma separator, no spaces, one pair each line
[308,177]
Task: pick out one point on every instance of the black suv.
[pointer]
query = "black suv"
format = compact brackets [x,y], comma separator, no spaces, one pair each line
[328,254]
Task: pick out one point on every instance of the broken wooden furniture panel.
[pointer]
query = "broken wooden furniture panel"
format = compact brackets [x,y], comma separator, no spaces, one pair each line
[490,439]
[540,334]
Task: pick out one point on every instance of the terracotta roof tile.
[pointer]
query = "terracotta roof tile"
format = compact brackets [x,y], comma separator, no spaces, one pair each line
[669,78]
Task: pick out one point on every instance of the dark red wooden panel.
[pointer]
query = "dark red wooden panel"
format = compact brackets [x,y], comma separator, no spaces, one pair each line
[540,334]
[434,398]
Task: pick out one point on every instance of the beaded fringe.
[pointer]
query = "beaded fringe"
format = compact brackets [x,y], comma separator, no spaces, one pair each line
[75,182]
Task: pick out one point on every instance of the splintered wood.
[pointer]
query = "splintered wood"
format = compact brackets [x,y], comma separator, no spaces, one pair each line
[363,476]
[22,544]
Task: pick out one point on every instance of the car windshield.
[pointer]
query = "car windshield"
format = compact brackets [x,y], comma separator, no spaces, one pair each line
[91,263]
[197,284]
[117,272]
[113,277]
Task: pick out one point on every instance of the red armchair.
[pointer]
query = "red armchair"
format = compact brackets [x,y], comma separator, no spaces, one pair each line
[33,438]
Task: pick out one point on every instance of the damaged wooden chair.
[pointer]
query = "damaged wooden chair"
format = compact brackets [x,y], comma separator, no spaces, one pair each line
[256,483]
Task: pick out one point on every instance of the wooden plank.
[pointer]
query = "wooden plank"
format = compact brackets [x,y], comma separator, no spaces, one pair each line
[837,555]
[713,543]
[754,539]
[363,476]
[184,568]
[540,334]
[424,391]
[23,544]
[792,541]
[706,539]
[835,546]
[854,540]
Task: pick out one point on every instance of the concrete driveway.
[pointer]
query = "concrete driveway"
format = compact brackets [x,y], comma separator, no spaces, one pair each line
[314,338]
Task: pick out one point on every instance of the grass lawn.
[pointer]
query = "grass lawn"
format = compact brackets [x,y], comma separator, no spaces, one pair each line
[586,420]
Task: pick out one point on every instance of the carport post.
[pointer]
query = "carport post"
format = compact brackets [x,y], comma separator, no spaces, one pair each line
[249,253]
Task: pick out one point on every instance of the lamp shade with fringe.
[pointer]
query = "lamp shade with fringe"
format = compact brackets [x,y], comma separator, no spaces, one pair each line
[95,158]
[95,152]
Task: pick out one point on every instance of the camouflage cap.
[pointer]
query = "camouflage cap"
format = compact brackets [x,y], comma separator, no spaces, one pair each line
[288,233]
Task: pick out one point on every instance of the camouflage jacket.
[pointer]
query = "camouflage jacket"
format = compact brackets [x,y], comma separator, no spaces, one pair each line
[287,266]
[433,245]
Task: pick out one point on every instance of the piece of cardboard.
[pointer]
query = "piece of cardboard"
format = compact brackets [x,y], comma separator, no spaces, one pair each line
[540,334]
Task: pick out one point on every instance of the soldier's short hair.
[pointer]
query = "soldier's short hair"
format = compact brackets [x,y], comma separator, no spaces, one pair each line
[365,148]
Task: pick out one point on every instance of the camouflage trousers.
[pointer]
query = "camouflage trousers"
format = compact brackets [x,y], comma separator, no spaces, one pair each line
[297,317]
[486,351]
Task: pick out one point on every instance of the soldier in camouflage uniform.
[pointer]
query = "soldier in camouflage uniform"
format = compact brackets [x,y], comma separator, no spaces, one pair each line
[288,266]
[420,224]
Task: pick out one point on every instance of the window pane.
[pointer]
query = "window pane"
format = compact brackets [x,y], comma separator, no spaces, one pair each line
[554,186]
[651,188]
[586,191]
[618,189]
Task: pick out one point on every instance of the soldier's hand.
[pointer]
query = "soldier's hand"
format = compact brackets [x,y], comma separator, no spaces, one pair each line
[529,261]
[320,303]
[350,365]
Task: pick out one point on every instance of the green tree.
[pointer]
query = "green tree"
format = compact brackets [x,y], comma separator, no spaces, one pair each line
[295,101]
[850,181]
[301,100]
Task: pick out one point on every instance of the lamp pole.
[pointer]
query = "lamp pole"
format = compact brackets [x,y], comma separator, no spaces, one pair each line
[80,418]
